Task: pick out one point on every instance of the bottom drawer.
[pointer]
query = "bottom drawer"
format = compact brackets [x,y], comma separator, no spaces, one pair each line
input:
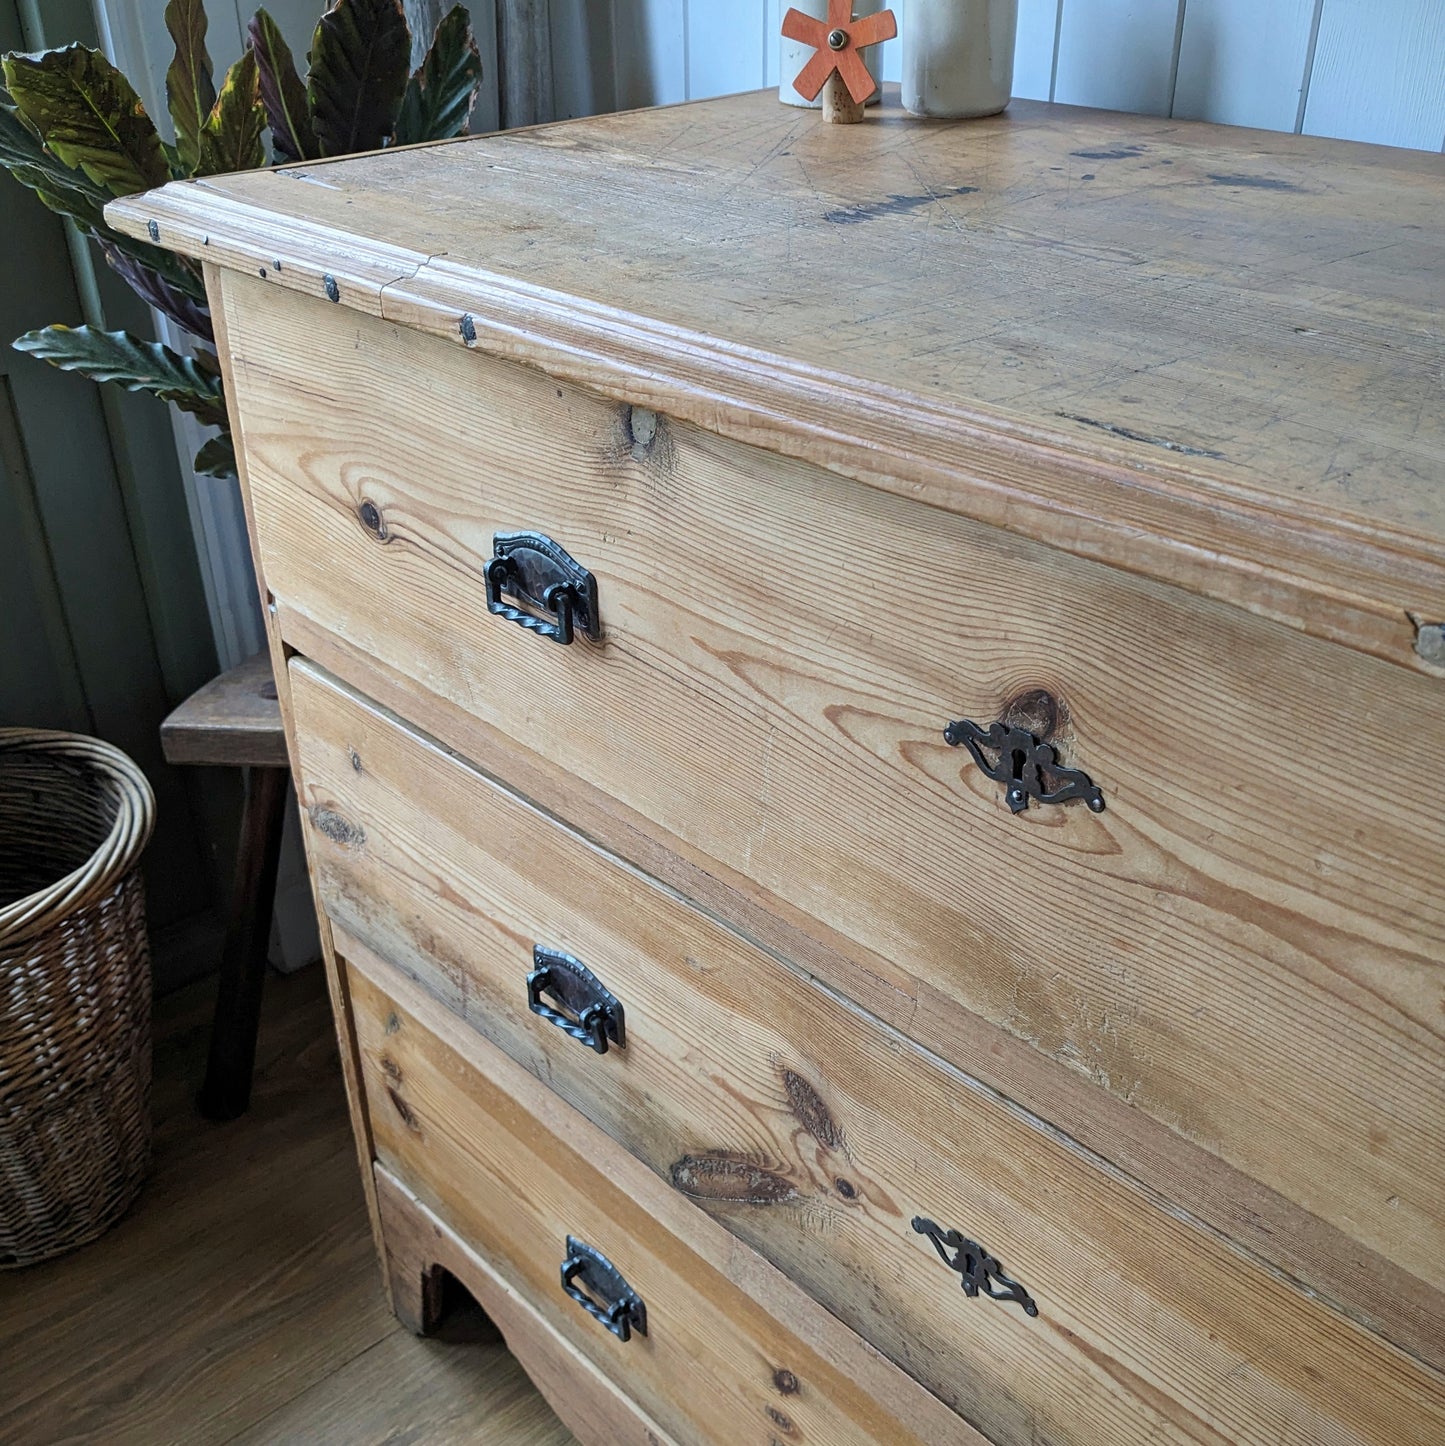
[729,1352]
[419,1247]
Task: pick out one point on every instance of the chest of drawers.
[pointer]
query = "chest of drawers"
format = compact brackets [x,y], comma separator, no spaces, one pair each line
[868,702]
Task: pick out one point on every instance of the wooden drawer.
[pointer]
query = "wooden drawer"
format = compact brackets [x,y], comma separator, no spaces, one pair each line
[418,1245]
[817,1135]
[1246,945]
[518,1175]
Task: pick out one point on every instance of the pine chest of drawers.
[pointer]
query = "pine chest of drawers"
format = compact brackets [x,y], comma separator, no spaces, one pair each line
[870,705]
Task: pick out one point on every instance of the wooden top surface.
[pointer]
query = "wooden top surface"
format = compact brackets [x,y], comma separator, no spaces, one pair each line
[1208,354]
[234,720]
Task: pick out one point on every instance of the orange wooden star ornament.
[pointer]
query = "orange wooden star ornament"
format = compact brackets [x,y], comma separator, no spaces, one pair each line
[838,41]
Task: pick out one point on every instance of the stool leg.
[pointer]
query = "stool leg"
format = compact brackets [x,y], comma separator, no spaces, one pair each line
[227,1089]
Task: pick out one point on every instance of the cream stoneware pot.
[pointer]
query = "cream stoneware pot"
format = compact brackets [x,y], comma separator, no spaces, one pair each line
[958,56]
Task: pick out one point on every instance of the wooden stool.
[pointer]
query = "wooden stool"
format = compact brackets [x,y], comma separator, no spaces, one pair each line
[235,721]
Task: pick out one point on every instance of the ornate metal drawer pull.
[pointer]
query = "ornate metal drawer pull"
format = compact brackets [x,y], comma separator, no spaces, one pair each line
[596,1017]
[1024,765]
[545,578]
[608,1297]
[977,1267]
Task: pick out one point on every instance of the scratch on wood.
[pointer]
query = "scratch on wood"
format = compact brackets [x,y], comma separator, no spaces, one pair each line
[1133,436]
[1257,183]
[892,206]
[1117,153]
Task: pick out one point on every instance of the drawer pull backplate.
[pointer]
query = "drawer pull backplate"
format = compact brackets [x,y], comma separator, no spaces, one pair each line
[545,579]
[608,1297]
[596,1014]
[1026,766]
[980,1271]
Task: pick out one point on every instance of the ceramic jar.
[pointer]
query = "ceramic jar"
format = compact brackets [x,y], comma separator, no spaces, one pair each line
[958,56]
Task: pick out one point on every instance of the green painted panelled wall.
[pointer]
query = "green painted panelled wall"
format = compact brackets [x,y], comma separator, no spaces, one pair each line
[106,626]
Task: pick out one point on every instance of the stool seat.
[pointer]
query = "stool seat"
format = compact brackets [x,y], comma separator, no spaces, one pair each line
[234,720]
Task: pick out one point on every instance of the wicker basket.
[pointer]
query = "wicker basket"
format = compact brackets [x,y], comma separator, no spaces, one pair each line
[75,991]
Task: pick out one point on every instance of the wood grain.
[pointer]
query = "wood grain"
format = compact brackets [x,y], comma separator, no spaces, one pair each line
[238,1302]
[816,1137]
[1322,1257]
[242,1277]
[278,652]
[765,712]
[731,1344]
[406,1390]
[234,719]
[580,1394]
[1175,367]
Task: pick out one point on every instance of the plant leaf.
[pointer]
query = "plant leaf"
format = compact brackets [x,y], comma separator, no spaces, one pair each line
[63,189]
[175,271]
[231,140]
[89,117]
[359,59]
[190,90]
[438,101]
[72,193]
[139,366]
[217,458]
[156,291]
[282,93]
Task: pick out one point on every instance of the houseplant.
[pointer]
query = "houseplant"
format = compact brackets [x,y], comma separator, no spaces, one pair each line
[73,129]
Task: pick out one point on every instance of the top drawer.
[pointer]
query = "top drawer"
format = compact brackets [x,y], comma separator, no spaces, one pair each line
[1245,943]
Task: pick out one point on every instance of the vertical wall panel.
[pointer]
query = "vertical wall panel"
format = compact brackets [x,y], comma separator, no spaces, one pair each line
[583,79]
[649,43]
[1242,62]
[1118,54]
[775,11]
[723,54]
[893,49]
[1034,52]
[487,112]
[1379,73]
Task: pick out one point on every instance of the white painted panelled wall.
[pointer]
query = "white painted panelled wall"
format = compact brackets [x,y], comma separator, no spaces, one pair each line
[1368,70]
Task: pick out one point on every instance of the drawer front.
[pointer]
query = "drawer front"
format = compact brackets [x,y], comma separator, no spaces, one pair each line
[818,1136]
[535,1191]
[417,1243]
[1246,944]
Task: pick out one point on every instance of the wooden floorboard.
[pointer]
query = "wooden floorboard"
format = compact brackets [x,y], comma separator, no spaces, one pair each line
[240,1300]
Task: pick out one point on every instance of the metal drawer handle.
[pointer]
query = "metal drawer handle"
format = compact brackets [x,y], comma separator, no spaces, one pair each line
[1027,767]
[616,1304]
[597,1016]
[544,578]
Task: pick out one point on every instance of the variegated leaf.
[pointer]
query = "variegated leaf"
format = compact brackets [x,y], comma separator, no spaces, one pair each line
[282,93]
[231,140]
[89,117]
[139,366]
[439,96]
[190,90]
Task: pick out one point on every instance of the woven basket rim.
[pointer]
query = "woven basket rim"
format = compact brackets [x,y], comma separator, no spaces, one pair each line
[131,829]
